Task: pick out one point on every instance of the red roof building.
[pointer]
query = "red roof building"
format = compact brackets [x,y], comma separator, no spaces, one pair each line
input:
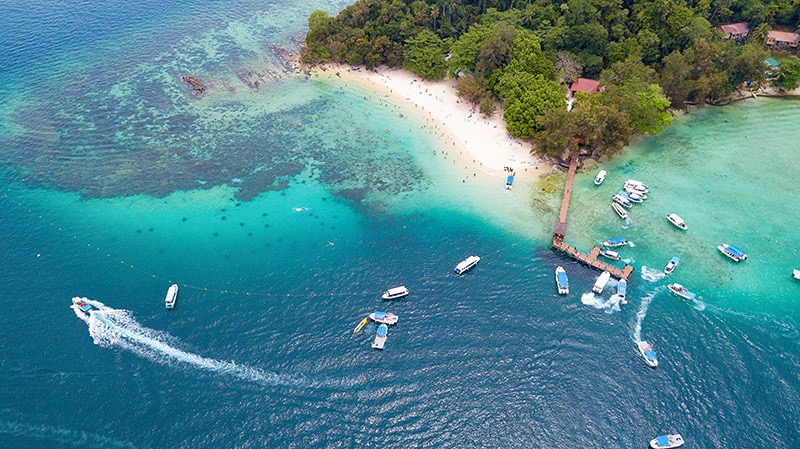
[782,37]
[585,85]
[735,30]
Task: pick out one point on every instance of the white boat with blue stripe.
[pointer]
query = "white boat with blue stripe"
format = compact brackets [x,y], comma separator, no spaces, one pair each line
[672,264]
[384,317]
[601,176]
[380,337]
[681,291]
[619,241]
[647,352]
[733,253]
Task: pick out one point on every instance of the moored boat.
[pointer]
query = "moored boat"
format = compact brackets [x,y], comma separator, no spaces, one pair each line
[681,291]
[380,337]
[635,194]
[509,181]
[601,282]
[172,296]
[562,281]
[734,253]
[601,176]
[667,441]
[621,200]
[618,241]
[671,264]
[647,352]
[384,317]
[636,189]
[82,305]
[613,255]
[622,290]
[467,264]
[677,221]
[620,211]
[394,293]
[796,274]
[633,198]
[634,182]
[360,326]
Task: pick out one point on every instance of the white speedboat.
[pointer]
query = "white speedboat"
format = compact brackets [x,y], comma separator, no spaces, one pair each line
[82,305]
[667,441]
[466,264]
[681,291]
[601,176]
[620,211]
[734,253]
[380,337]
[672,264]
[621,200]
[562,281]
[635,194]
[677,221]
[796,274]
[384,317]
[394,293]
[632,197]
[647,352]
[601,282]
[636,183]
[613,255]
[613,243]
[631,188]
[172,296]
[622,291]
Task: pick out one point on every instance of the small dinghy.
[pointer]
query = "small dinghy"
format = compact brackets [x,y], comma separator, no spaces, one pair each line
[601,176]
[677,221]
[647,352]
[667,441]
[672,264]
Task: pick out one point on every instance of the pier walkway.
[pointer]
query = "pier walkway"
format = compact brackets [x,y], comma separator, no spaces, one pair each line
[560,230]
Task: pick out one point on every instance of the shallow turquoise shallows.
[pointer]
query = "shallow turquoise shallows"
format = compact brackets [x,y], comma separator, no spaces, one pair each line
[284,207]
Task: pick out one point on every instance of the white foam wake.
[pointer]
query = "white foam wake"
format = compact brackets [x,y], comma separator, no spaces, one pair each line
[651,274]
[640,314]
[111,327]
[596,301]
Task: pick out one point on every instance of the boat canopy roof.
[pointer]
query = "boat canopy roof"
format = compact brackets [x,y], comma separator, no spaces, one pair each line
[663,440]
[617,240]
[736,249]
[675,259]
[380,315]
[650,354]
[510,178]
[382,330]
[562,278]
[622,287]
[397,290]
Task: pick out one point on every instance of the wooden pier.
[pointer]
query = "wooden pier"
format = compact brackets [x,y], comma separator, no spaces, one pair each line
[560,230]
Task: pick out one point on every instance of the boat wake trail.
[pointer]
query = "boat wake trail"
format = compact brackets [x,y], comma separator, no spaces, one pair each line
[63,437]
[611,305]
[640,314]
[651,274]
[110,327]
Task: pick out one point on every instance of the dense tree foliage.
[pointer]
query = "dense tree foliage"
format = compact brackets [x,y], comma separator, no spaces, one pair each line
[648,54]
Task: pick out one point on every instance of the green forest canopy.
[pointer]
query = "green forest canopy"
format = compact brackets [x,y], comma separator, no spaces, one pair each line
[649,55]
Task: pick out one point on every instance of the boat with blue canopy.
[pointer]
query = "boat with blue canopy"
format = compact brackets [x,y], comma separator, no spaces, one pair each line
[601,176]
[672,264]
[734,253]
[646,349]
[384,317]
[380,337]
[681,291]
[509,182]
[82,305]
[619,241]
[562,281]
[668,441]
[630,197]
[622,290]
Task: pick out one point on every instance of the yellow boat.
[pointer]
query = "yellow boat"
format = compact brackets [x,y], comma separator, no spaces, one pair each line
[360,326]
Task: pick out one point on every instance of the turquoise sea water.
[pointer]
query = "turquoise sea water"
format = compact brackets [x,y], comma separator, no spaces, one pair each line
[284,209]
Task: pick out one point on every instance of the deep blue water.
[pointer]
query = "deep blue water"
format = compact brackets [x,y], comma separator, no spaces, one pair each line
[260,351]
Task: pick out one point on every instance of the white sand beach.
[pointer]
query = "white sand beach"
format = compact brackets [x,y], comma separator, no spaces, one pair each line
[480,142]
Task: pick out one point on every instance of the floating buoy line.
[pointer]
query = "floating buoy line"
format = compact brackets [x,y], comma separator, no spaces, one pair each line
[211,289]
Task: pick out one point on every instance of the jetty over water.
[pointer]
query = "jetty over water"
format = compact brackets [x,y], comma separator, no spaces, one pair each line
[560,230]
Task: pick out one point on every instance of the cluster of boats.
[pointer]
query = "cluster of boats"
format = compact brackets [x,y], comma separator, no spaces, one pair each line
[386,319]
[633,191]
[562,282]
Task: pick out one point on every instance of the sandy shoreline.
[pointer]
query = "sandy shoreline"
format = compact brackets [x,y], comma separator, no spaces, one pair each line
[478,142]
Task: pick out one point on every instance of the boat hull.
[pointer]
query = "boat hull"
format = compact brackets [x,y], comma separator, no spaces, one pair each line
[172,296]
[620,211]
[643,348]
[601,282]
[677,222]
[467,264]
